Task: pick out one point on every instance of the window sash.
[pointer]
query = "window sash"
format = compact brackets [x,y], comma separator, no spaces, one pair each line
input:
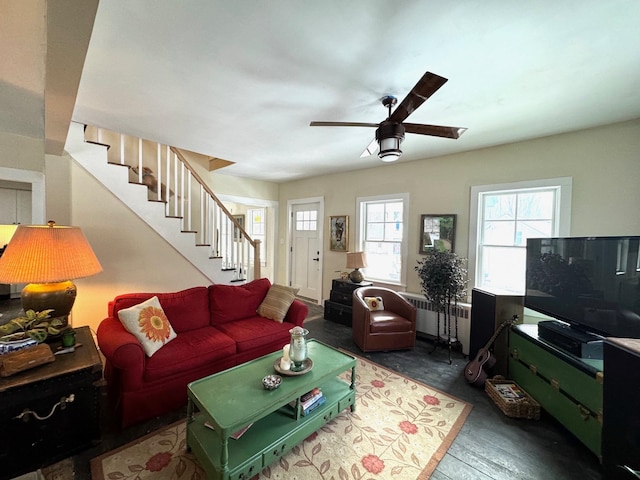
[503,217]
[381,235]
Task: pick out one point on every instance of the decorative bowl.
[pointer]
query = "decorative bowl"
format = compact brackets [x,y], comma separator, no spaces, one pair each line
[271,382]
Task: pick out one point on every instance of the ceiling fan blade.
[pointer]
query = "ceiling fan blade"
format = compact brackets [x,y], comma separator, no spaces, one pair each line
[371,149]
[426,86]
[342,124]
[434,130]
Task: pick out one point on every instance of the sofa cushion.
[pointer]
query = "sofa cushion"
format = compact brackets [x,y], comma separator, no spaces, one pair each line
[148,323]
[189,351]
[235,302]
[374,303]
[254,332]
[186,310]
[277,302]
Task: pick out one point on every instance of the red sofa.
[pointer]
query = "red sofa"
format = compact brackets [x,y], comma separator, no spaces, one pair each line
[217,328]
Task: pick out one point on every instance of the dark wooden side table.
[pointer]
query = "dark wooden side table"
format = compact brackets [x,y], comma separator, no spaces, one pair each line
[50,412]
[339,306]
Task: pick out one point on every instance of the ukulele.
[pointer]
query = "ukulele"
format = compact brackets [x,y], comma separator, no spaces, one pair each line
[474,371]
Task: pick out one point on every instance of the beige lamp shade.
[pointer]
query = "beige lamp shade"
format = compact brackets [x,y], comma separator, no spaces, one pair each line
[48,257]
[356,260]
[47,253]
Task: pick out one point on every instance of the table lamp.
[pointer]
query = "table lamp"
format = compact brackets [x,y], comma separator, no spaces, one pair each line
[48,257]
[356,260]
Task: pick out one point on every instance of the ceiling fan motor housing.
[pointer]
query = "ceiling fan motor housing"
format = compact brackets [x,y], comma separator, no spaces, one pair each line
[389,136]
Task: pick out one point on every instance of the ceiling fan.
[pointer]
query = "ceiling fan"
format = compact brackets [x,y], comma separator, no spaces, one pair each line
[390,132]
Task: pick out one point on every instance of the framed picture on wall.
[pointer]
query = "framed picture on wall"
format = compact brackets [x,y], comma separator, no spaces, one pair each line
[339,233]
[437,232]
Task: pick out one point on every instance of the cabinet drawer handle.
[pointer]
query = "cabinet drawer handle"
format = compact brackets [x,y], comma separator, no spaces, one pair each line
[584,413]
[24,416]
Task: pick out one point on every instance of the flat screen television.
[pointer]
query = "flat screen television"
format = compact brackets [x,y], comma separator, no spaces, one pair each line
[592,283]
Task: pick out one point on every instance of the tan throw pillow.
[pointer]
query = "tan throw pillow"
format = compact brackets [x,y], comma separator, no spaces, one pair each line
[148,323]
[374,303]
[277,302]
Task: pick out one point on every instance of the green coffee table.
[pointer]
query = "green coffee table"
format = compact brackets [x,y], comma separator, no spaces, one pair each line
[235,398]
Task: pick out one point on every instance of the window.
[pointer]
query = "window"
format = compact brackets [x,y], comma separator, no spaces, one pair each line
[306,220]
[381,235]
[503,217]
[258,230]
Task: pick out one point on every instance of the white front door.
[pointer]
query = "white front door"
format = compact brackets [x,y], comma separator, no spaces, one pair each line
[306,249]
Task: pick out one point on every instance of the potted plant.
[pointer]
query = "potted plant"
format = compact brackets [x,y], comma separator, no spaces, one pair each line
[36,325]
[443,281]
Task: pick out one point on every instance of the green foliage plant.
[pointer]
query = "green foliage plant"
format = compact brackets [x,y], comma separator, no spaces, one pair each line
[36,325]
[443,278]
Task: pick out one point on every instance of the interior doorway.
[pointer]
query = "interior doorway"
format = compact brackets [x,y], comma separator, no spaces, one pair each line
[305,246]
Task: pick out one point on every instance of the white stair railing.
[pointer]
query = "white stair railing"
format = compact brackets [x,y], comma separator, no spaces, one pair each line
[170,179]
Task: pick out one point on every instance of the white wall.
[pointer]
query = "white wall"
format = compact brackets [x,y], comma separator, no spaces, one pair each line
[603,163]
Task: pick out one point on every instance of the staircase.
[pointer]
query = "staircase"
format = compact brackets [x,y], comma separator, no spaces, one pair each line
[158,183]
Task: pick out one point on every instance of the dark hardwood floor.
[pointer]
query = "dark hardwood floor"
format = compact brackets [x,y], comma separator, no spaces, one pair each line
[489,446]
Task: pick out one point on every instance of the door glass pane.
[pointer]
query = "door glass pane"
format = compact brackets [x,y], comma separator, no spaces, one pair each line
[306,220]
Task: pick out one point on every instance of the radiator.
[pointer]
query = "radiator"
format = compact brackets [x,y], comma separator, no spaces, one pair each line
[427,319]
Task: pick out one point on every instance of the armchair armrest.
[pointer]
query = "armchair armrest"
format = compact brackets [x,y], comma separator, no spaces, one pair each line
[360,317]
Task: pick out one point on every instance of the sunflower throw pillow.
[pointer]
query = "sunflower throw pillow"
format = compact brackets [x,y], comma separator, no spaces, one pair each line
[374,303]
[148,323]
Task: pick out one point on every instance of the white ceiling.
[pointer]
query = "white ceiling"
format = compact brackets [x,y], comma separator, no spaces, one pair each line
[242,80]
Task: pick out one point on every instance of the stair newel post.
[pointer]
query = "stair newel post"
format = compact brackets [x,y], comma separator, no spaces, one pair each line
[257,261]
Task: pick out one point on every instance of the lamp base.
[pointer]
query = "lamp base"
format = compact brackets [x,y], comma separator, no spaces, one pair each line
[356,276]
[44,296]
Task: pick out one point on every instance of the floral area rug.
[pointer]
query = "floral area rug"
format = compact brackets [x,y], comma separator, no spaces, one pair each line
[400,430]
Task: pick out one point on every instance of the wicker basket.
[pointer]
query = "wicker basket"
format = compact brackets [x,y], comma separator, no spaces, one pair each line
[511,399]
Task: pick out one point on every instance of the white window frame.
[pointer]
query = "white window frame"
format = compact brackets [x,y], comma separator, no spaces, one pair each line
[261,236]
[562,225]
[404,247]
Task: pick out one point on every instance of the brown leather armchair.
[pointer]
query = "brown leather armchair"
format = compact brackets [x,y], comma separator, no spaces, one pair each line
[393,328]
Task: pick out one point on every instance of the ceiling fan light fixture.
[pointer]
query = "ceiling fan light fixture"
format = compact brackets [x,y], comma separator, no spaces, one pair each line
[389,136]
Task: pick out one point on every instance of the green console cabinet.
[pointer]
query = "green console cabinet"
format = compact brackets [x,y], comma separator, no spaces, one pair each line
[566,386]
